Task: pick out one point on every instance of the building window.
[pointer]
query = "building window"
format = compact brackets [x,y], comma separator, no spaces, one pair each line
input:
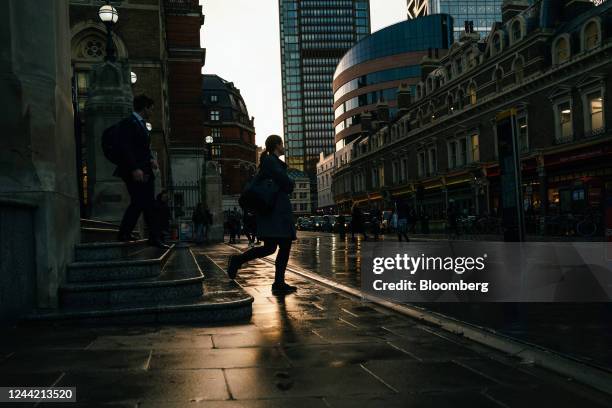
[215,115]
[474,141]
[523,133]
[472,94]
[214,98]
[564,122]
[215,132]
[452,154]
[404,169]
[421,164]
[433,161]
[516,31]
[497,44]
[519,71]
[462,151]
[395,167]
[216,151]
[594,106]
[561,51]
[591,36]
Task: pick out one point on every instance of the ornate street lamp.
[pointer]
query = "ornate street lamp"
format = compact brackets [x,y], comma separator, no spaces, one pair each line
[207,156]
[133,77]
[209,141]
[109,16]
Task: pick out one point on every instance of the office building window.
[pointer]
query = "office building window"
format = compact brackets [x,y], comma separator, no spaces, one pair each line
[474,140]
[563,115]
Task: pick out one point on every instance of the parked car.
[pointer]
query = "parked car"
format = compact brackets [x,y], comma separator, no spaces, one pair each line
[305,224]
[318,223]
[328,223]
[347,223]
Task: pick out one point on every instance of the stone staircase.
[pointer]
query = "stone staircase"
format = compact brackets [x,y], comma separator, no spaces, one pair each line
[131,282]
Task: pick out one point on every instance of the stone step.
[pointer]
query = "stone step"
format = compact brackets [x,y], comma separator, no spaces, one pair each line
[103,251]
[144,262]
[96,234]
[88,222]
[224,301]
[181,278]
[212,308]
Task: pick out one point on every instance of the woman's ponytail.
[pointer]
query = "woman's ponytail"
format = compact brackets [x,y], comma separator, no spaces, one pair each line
[271,142]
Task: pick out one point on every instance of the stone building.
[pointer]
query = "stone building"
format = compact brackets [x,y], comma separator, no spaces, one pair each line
[160,40]
[549,63]
[325,169]
[300,198]
[227,120]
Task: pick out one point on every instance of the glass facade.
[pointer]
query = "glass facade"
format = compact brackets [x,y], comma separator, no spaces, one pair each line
[420,35]
[314,35]
[483,13]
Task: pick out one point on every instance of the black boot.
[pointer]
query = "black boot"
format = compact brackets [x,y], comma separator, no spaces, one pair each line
[233,265]
[282,288]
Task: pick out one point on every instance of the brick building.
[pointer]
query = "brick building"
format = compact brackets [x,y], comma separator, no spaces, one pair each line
[227,120]
[548,62]
[161,41]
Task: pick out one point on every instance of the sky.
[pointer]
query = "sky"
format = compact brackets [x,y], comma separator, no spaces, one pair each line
[241,38]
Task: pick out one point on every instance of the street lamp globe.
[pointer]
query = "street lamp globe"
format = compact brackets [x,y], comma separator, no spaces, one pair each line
[108,14]
[133,77]
[209,139]
[149,126]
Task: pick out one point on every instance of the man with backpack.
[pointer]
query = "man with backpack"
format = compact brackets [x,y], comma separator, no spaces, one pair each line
[128,145]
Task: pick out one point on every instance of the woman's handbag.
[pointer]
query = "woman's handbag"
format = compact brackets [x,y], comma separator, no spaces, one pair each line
[259,195]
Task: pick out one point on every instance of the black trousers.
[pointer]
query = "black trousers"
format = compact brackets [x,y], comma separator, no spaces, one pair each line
[269,247]
[142,199]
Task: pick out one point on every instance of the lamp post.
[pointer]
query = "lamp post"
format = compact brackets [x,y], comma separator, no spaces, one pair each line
[207,156]
[109,16]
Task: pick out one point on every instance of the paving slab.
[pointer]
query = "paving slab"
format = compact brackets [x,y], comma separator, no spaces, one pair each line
[254,383]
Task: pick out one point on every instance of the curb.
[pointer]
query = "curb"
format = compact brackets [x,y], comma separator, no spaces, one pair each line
[591,375]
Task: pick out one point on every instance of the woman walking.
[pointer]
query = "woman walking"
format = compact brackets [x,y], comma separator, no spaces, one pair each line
[275,229]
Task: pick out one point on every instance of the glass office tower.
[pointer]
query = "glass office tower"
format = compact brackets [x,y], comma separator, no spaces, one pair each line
[483,13]
[314,35]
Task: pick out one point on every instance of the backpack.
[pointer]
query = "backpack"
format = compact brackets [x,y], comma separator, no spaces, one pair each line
[110,143]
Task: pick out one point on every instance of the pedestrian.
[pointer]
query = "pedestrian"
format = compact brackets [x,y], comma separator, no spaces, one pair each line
[452,216]
[250,226]
[341,227]
[198,219]
[357,223]
[376,220]
[135,167]
[275,228]
[208,221]
[403,215]
[234,225]
[162,215]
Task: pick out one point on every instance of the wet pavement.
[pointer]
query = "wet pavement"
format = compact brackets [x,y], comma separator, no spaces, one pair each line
[315,348]
[583,331]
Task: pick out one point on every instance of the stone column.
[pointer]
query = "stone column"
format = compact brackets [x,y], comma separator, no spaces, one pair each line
[214,200]
[109,101]
[37,150]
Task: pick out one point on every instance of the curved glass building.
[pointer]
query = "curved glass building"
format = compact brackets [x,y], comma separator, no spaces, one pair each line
[372,70]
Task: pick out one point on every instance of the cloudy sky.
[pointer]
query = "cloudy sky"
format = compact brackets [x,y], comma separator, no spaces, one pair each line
[241,38]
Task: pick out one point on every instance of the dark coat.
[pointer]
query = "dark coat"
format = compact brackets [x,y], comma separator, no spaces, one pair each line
[135,148]
[279,223]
